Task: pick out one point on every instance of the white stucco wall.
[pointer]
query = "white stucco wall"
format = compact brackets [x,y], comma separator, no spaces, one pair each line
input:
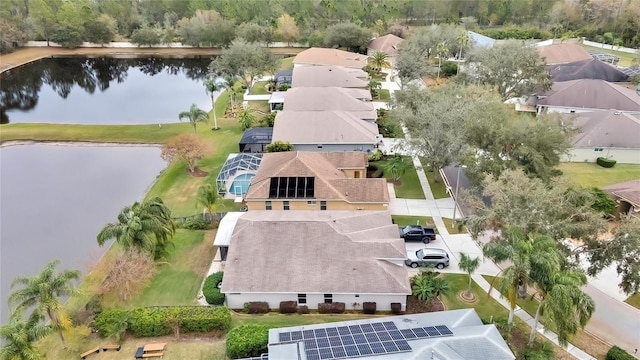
[383,301]
[564,109]
[621,155]
[335,147]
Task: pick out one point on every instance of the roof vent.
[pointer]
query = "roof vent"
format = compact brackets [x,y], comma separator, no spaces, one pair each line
[617,113]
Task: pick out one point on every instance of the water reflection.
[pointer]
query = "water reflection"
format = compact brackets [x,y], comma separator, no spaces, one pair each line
[129,90]
[55,200]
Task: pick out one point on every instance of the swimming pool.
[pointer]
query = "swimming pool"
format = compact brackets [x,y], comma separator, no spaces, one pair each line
[241,184]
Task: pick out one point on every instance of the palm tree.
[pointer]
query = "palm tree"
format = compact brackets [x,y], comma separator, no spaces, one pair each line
[442,50]
[563,302]
[19,337]
[246,119]
[468,265]
[427,285]
[463,41]
[207,197]
[143,226]
[379,60]
[228,82]
[396,166]
[195,115]
[43,292]
[212,86]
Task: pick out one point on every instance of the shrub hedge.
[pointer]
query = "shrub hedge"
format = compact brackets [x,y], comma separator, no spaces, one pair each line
[616,353]
[332,308]
[605,163]
[257,307]
[303,309]
[288,307]
[248,340]
[396,308]
[369,307]
[147,322]
[211,291]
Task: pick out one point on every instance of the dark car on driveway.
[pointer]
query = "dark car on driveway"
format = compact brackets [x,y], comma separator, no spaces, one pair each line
[417,233]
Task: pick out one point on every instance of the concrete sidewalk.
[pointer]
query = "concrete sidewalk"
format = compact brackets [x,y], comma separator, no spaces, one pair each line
[437,209]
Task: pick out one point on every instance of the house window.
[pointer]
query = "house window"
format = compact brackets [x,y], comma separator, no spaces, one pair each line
[311,202]
[356,174]
[323,205]
[572,111]
[267,205]
[328,298]
[302,298]
[597,149]
[285,205]
[319,146]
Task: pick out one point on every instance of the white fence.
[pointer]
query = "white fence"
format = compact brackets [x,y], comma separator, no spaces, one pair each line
[610,47]
[125,44]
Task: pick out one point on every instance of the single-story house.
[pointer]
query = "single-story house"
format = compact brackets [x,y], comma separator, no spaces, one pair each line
[586,69]
[321,76]
[235,176]
[283,77]
[355,101]
[223,234]
[387,44]
[325,131]
[627,196]
[441,335]
[585,95]
[563,53]
[314,257]
[305,180]
[322,56]
[254,140]
[611,134]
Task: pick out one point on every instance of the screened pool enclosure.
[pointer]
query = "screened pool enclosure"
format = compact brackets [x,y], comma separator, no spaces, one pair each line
[236,174]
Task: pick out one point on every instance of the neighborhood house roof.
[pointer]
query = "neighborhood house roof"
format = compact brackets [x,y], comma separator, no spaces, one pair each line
[324,56]
[586,69]
[628,191]
[330,183]
[332,252]
[320,76]
[479,40]
[590,94]
[236,164]
[257,135]
[607,129]
[330,98]
[225,228]
[563,53]
[388,44]
[323,127]
[277,97]
[469,338]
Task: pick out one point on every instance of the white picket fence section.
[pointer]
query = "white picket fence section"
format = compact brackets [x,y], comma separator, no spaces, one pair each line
[610,47]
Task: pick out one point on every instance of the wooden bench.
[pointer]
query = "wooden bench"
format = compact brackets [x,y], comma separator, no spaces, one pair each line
[87,353]
[110,347]
[153,354]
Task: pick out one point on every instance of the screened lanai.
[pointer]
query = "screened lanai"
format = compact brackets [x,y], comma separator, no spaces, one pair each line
[236,174]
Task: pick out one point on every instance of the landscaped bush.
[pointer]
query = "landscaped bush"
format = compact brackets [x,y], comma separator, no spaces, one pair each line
[396,308]
[369,307]
[333,308]
[602,202]
[288,307]
[248,340]
[616,353]
[303,309]
[606,163]
[112,322]
[196,223]
[376,156]
[513,32]
[147,322]
[257,307]
[211,291]
[448,68]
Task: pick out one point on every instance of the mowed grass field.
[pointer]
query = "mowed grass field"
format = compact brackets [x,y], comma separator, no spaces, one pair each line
[593,175]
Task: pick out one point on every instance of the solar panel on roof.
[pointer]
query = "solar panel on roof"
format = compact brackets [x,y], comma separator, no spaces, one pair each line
[355,329]
[322,342]
[364,349]
[420,332]
[296,335]
[320,332]
[371,337]
[359,339]
[326,353]
[366,327]
[307,334]
[389,325]
[396,335]
[390,346]
[335,341]
[377,348]
[378,326]
[348,340]
[332,331]
[408,333]
[343,330]
[444,330]
[432,331]
[310,344]
[352,350]
[284,337]
[403,345]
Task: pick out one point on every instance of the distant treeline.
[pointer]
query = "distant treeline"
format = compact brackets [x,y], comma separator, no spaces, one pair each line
[218,22]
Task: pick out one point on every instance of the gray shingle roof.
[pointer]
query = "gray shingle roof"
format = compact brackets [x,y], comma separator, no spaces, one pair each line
[590,94]
[330,98]
[324,56]
[323,127]
[563,53]
[387,43]
[316,252]
[607,129]
[586,69]
[320,76]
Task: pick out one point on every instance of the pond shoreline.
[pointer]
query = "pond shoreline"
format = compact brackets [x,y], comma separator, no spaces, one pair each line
[73,143]
[28,55]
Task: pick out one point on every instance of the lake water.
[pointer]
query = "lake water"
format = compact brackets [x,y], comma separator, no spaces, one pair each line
[55,199]
[103,90]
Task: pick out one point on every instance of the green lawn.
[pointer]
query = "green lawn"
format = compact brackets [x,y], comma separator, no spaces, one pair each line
[634,300]
[625,58]
[384,95]
[485,306]
[259,88]
[526,304]
[404,220]
[274,320]
[452,228]
[261,107]
[287,63]
[593,175]
[409,185]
